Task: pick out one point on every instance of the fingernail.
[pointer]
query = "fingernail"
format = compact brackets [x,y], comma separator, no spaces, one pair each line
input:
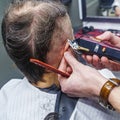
[66,53]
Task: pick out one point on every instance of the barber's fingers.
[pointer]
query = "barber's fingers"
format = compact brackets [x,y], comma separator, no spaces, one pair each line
[94,60]
[71,60]
[115,66]
[105,36]
[63,65]
[110,37]
[69,70]
[91,59]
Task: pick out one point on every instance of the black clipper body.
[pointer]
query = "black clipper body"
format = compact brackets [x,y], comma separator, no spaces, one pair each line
[90,46]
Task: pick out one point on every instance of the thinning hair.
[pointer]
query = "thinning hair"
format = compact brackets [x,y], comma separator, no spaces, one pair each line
[27,29]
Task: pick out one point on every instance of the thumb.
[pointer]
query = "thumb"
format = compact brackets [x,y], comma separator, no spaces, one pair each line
[63,65]
[105,36]
[111,38]
[71,60]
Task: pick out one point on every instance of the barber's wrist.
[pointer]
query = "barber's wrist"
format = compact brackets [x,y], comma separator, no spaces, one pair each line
[114,98]
[101,82]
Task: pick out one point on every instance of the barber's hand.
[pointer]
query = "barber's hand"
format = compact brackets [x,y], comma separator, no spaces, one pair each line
[83,81]
[104,62]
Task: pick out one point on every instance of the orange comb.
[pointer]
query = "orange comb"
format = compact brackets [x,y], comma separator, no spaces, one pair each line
[49,67]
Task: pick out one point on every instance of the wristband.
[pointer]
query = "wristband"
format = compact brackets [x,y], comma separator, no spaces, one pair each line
[106,90]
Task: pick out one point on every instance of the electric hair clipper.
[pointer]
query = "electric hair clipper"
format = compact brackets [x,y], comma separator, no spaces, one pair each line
[91,45]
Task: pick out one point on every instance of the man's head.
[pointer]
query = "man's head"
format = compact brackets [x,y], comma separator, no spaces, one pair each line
[36,29]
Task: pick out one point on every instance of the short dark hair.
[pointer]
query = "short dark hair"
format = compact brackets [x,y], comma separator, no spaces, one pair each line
[27,30]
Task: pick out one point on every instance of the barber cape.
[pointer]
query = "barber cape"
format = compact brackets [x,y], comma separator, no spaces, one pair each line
[19,100]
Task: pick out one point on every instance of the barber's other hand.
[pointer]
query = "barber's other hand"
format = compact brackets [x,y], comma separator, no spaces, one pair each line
[84,81]
[104,62]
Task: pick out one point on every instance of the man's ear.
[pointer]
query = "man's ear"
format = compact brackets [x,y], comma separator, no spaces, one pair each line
[66,46]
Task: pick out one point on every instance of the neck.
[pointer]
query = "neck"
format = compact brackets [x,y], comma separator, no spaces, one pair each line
[47,80]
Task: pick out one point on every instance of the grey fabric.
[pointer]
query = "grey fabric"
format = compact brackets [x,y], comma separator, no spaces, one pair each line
[64,105]
[89,109]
